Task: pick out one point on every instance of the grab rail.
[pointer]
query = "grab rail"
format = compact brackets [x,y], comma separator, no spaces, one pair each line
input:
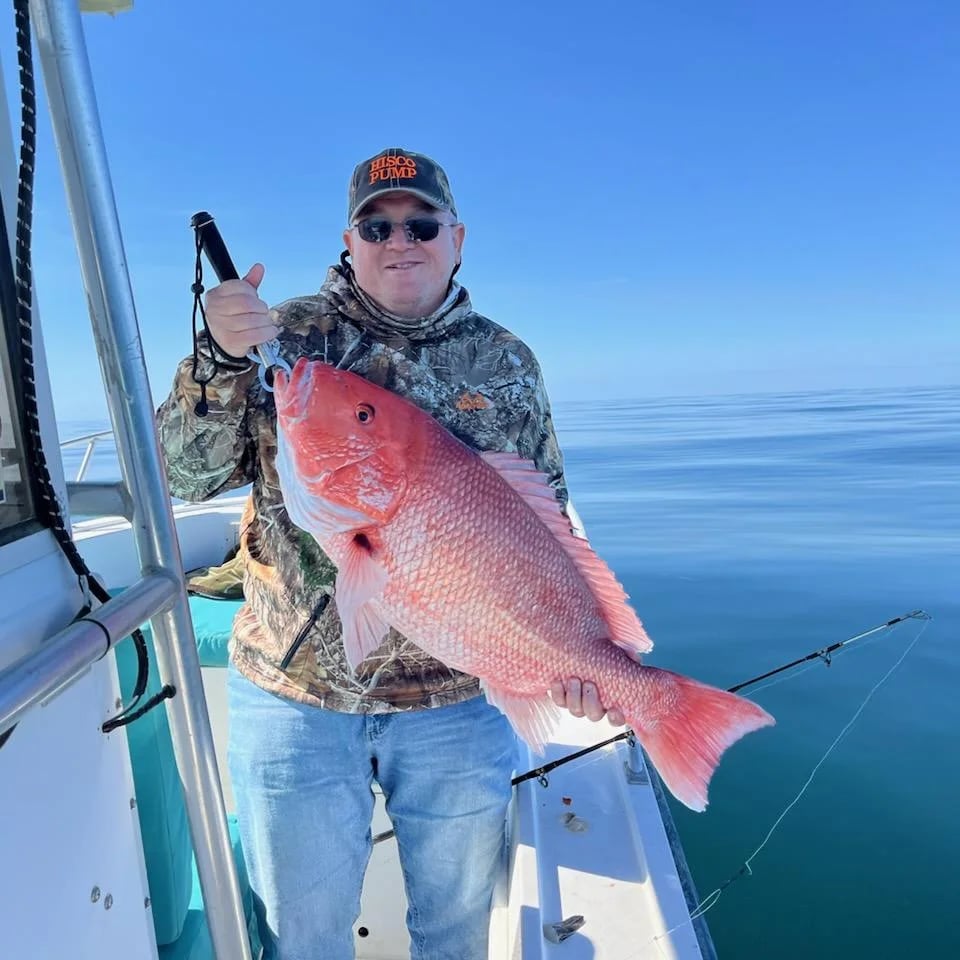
[91,439]
[65,657]
[93,213]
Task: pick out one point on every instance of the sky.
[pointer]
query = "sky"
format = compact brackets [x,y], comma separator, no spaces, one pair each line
[661,199]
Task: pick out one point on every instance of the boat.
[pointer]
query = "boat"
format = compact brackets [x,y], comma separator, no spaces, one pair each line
[118,833]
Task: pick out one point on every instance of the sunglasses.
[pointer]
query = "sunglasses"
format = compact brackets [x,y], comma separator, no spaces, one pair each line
[417,229]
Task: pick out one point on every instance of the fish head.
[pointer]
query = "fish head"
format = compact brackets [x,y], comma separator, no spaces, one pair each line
[347,448]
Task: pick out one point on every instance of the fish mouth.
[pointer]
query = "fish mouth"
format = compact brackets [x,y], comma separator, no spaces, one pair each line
[292,391]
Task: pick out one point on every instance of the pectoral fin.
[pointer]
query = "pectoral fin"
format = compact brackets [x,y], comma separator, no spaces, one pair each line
[360,583]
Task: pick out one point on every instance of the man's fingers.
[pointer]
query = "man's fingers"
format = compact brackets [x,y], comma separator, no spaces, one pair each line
[256,337]
[582,699]
[255,275]
[232,287]
[592,706]
[574,696]
[241,343]
[226,303]
[236,341]
[248,322]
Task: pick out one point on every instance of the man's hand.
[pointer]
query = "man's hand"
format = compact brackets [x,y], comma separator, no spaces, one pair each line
[238,319]
[582,700]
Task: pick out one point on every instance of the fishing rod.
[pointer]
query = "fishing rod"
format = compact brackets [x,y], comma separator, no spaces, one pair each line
[823,653]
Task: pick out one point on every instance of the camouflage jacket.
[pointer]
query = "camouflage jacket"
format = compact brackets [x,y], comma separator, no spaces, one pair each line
[477,379]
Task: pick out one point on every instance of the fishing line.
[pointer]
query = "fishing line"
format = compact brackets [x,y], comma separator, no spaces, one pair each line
[824,654]
[784,679]
[813,664]
[707,902]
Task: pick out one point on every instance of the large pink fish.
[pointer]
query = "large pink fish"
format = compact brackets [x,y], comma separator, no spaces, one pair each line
[470,556]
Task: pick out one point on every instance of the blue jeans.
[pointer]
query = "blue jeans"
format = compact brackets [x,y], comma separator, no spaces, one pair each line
[302,779]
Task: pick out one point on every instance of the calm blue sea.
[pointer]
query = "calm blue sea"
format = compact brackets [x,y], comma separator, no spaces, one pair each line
[749,531]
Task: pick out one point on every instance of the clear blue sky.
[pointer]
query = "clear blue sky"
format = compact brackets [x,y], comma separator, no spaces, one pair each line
[660,198]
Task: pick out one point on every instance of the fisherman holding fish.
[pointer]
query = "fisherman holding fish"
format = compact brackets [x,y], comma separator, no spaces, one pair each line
[311,724]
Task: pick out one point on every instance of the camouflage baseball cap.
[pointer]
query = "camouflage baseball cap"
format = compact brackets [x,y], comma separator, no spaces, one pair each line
[398,169]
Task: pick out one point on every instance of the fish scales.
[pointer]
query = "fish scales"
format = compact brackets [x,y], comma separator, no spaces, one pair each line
[470,557]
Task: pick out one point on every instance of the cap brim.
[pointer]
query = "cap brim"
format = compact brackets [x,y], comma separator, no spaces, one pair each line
[383,191]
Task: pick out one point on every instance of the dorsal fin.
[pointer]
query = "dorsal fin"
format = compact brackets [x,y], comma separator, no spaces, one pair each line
[531,484]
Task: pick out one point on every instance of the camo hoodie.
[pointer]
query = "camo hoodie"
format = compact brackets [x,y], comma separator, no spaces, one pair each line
[477,379]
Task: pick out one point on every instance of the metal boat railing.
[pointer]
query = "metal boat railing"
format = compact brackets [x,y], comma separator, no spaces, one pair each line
[160,593]
[68,655]
[91,440]
[95,498]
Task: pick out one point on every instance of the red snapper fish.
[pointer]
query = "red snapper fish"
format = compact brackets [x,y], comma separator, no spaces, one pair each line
[470,556]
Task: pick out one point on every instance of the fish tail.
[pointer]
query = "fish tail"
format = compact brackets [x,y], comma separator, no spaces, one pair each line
[692,725]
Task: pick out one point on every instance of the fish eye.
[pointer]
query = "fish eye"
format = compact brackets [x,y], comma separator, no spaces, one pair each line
[364,412]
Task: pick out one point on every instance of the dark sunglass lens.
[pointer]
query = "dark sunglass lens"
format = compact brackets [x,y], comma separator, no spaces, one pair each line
[375,229]
[422,228]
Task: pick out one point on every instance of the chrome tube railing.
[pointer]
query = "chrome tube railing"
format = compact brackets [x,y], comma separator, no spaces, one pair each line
[91,440]
[76,127]
[65,657]
[92,498]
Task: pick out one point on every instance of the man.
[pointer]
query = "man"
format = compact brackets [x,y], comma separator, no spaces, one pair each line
[307,736]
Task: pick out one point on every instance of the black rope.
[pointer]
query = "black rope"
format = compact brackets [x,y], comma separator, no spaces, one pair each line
[202,406]
[167,691]
[49,508]
[48,505]
[208,240]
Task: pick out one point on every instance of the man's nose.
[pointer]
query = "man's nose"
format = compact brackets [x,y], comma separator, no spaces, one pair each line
[398,238]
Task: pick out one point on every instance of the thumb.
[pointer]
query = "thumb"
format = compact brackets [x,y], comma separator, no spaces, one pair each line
[255,275]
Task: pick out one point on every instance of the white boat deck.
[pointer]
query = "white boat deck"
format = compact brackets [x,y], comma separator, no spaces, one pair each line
[593,844]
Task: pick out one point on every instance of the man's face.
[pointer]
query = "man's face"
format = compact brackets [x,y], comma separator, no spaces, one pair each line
[406,277]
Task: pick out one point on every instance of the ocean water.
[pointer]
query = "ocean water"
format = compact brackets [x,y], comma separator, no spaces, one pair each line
[750,531]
